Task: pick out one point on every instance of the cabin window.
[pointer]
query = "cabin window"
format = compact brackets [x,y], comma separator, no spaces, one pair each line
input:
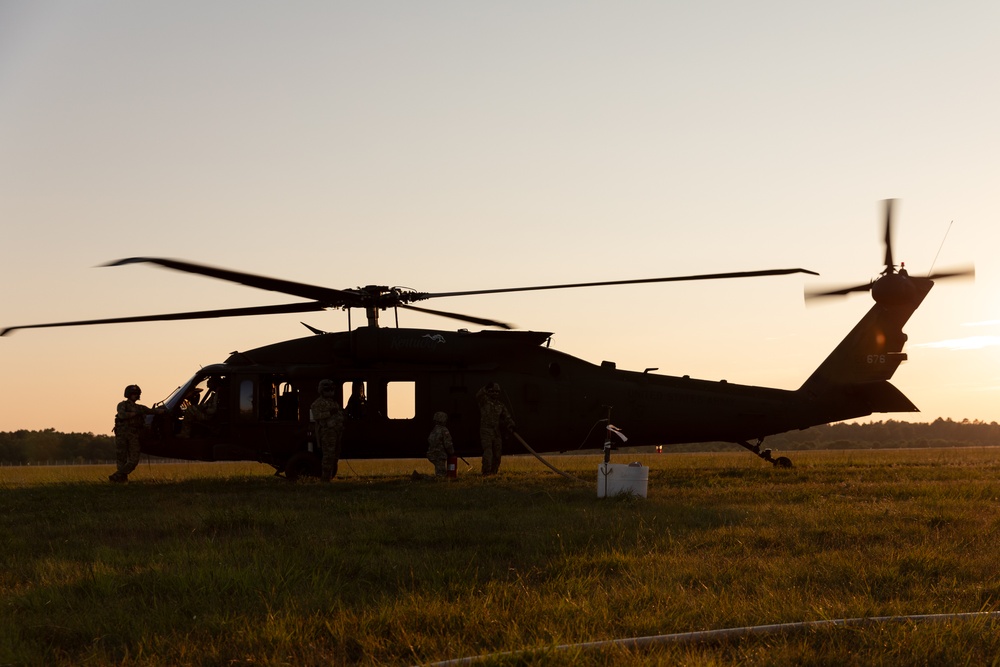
[355,395]
[279,400]
[402,403]
[287,400]
[246,399]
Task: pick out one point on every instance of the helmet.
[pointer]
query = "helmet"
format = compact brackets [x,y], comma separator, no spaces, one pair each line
[326,385]
[132,389]
[440,417]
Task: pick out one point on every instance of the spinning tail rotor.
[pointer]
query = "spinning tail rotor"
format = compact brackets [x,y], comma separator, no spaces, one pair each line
[894,283]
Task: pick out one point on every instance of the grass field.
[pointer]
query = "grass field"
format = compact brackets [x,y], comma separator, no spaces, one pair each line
[210,564]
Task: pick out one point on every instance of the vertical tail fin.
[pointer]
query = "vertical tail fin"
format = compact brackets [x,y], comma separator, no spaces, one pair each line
[853,380]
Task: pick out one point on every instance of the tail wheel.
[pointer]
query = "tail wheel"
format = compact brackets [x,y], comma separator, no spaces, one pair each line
[302,463]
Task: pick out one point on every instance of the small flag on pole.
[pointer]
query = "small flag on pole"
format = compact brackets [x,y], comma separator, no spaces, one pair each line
[617,431]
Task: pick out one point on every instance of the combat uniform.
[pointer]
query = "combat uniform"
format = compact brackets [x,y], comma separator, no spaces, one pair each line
[494,420]
[209,406]
[204,411]
[130,420]
[439,446]
[329,418]
[357,402]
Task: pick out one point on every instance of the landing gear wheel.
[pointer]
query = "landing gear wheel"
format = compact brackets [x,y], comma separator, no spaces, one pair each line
[780,462]
[302,463]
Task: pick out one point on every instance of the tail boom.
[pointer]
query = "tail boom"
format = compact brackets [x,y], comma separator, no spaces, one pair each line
[854,380]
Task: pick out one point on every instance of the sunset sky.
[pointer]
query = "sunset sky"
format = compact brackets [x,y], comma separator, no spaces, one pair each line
[448,146]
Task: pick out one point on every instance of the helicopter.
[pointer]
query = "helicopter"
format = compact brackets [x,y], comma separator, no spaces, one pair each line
[559,402]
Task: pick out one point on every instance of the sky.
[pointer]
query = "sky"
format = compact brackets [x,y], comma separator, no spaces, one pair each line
[448,146]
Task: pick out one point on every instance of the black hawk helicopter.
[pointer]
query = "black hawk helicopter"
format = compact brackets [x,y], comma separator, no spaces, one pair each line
[558,401]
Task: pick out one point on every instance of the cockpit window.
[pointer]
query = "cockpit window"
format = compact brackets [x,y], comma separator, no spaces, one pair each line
[175,398]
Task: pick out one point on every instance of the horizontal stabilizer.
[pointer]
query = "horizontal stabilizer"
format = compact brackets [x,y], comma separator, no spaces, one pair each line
[883,397]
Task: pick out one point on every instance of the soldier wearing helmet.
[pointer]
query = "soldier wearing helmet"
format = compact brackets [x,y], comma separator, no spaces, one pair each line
[130,420]
[328,417]
[200,410]
[494,422]
[439,446]
[210,403]
[356,403]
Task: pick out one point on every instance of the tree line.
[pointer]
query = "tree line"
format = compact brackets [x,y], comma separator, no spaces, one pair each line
[23,447]
[31,447]
[890,434]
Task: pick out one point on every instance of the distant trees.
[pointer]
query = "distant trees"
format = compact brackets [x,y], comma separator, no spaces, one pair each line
[20,447]
[891,434]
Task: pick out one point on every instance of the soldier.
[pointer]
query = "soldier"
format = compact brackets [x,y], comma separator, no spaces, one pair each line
[202,411]
[439,446]
[329,419]
[130,419]
[356,403]
[210,404]
[494,421]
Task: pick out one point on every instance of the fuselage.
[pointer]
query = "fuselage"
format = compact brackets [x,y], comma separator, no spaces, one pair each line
[558,402]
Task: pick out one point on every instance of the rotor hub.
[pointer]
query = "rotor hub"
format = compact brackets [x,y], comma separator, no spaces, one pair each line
[894,289]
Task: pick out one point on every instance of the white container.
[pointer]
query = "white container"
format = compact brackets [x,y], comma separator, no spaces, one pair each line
[617,478]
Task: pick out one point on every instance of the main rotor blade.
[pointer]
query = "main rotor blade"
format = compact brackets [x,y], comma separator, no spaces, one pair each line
[704,276]
[196,315]
[457,316]
[840,292]
[888,235]
[326,295]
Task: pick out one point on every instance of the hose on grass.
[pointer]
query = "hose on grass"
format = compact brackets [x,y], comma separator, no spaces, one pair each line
[550,466]
[728,633]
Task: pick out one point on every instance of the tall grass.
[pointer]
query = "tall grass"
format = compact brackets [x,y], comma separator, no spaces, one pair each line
[226,564]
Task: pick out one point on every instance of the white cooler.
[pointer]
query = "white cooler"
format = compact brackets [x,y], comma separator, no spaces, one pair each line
[617,478]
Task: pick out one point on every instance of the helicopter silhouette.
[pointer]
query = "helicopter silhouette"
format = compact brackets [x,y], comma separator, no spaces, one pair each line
[559,402]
